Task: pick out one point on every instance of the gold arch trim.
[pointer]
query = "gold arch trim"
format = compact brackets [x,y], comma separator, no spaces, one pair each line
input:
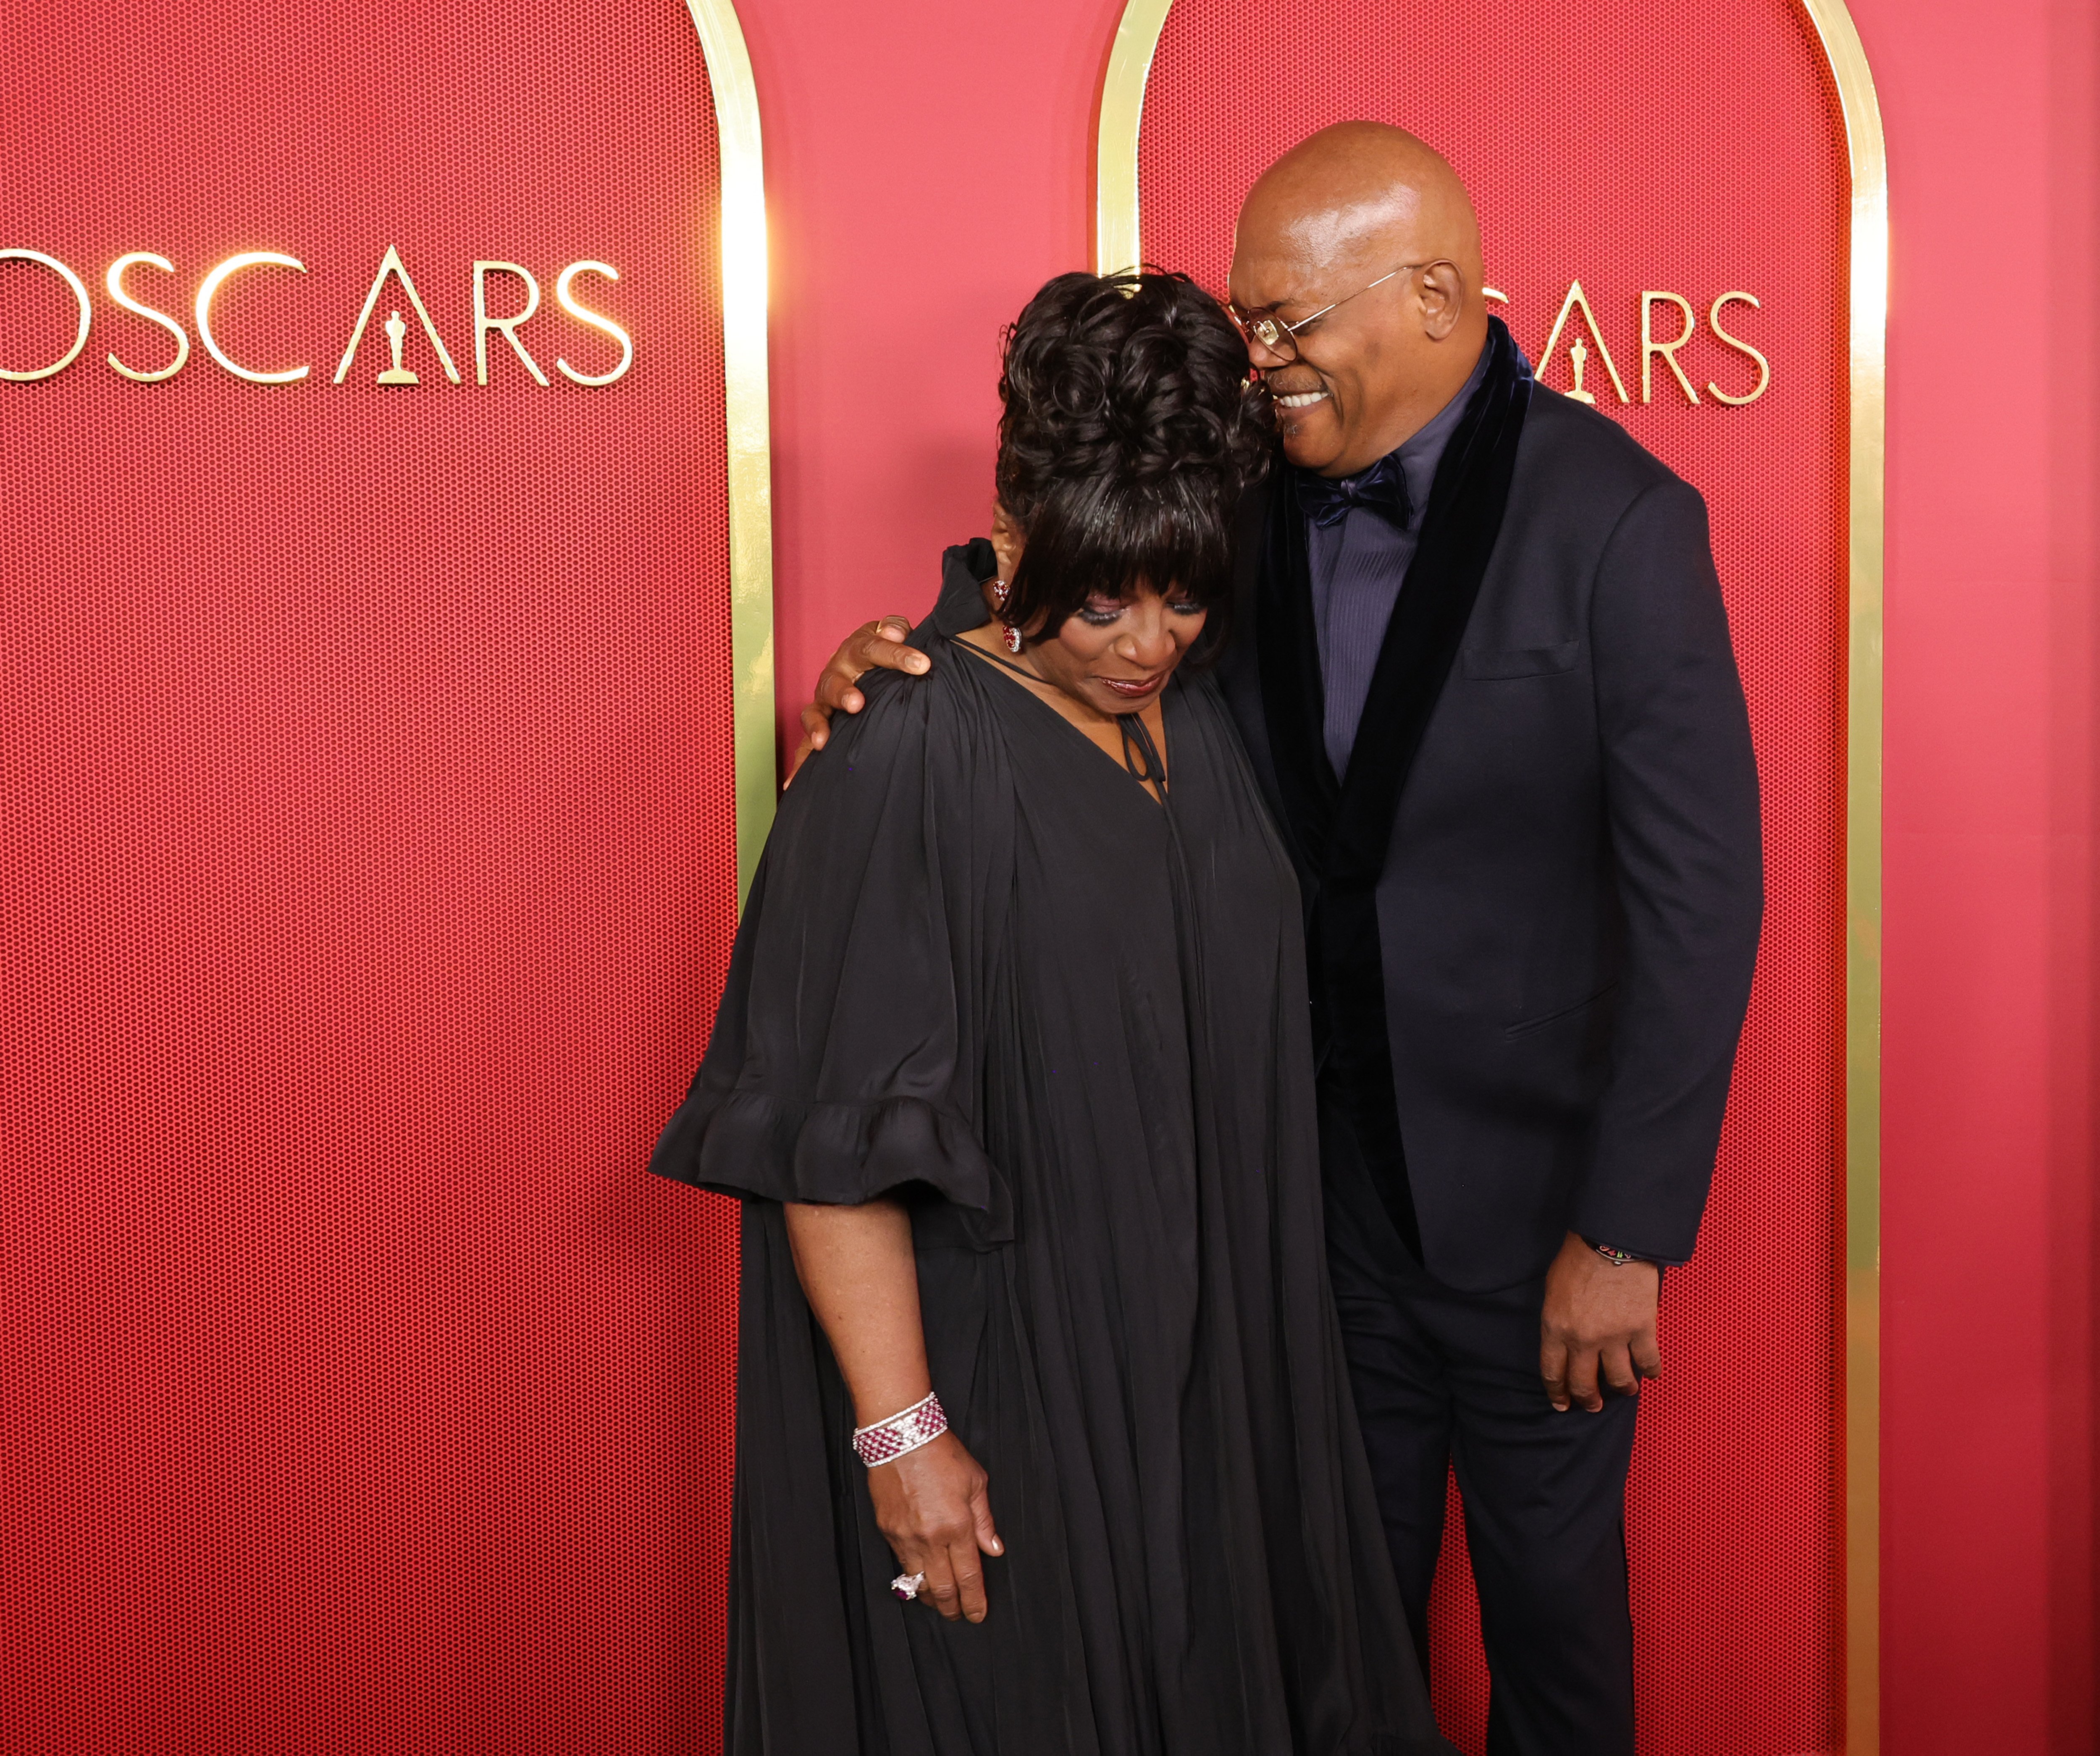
[1117,244]
[1869,355]
[1121,111]
[747,411]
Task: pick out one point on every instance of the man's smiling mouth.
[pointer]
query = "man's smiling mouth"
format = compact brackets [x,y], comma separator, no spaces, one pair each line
[1302,400]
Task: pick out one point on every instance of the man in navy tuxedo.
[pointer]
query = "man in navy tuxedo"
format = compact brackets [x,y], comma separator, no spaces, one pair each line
[1481,668]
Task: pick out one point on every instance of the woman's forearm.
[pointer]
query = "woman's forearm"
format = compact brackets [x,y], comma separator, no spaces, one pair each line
[862,1280]
[932,1503]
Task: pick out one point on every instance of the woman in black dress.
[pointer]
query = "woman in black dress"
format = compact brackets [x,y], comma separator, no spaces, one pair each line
[1011,1073]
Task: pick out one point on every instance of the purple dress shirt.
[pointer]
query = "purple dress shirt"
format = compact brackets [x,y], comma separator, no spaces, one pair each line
[1357,565]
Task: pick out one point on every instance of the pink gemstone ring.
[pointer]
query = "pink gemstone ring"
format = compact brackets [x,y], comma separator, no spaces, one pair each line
[905,1586]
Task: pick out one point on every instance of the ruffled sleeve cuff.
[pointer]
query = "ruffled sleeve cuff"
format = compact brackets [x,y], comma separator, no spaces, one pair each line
[749,1143]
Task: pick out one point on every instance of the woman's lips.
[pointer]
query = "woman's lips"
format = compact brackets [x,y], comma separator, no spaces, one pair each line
[1134,689]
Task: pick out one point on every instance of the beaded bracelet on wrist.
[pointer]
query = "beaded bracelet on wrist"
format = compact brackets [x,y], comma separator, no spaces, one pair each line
[886,1440]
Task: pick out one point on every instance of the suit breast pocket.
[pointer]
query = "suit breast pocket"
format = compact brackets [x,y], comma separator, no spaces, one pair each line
[1482,664]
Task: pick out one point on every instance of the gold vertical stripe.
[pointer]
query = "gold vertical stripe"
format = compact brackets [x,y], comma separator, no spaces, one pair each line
[1863,139]
[1116,245]
[749,422]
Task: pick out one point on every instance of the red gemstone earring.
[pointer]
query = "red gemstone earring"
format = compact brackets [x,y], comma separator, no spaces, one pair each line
[1000,591]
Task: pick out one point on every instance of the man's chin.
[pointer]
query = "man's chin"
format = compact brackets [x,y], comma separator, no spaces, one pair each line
[1311,443]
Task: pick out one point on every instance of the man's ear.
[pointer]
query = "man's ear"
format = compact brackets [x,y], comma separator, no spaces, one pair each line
[1443,299]
[1006,541]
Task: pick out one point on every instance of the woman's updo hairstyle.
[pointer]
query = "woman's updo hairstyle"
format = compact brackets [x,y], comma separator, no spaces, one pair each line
[1129,433]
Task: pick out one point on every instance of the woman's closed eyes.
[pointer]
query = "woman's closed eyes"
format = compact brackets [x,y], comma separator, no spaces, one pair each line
[1100,612]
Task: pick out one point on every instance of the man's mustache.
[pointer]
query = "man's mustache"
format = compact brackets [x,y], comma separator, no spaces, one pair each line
[1292,380]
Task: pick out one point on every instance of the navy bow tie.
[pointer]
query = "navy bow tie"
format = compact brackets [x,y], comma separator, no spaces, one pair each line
[1382,489]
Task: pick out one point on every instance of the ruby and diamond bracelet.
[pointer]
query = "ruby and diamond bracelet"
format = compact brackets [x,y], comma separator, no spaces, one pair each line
[886,1440]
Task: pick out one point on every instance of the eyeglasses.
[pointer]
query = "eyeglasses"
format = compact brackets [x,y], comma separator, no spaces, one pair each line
[1280,337]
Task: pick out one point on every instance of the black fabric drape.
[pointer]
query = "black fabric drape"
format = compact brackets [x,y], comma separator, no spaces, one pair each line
[1344,825]
[983,971]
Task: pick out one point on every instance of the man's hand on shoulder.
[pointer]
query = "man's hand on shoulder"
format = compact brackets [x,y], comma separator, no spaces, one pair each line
[874,646]
[1598,1329]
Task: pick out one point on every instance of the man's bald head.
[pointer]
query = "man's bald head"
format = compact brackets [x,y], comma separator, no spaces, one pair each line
[1352,193]
[1339,210]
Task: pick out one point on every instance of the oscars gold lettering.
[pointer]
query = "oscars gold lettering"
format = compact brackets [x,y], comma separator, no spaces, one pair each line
[568,303]
[1576,299]
[114,284]
[1650,347]
[391,264]
[80,335]
[508,325]
[1722,335]
[396,329]
[209,291]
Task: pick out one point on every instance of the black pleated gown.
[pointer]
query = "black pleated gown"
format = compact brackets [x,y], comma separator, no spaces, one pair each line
[984,971]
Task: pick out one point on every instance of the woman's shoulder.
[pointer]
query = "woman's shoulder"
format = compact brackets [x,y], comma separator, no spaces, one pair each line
[934,724]
[903,801]
[901,707]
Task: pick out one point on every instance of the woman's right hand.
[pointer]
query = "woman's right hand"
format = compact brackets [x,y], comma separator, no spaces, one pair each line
[934,1505]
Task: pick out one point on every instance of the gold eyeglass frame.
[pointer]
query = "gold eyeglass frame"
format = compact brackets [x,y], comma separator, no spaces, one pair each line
[1250,325]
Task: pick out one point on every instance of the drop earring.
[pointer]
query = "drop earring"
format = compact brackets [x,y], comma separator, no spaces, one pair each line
[1000,591]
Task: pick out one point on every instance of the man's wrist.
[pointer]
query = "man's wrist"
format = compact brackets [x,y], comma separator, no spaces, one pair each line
[1616,1257]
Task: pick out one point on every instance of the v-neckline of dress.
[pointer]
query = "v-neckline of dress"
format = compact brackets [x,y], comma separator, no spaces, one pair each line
[1157,800]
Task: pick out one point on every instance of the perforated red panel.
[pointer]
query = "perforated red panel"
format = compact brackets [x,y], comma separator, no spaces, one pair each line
[1654,145]
[366,873]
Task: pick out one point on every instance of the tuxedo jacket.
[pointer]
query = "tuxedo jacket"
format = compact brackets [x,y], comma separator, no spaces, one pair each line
[1533,899]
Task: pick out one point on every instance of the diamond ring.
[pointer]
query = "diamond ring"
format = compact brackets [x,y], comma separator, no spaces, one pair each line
[905,1586]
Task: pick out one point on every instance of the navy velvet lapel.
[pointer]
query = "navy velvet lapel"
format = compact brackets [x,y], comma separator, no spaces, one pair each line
[1458,535]
[1294,698]
[1343,828]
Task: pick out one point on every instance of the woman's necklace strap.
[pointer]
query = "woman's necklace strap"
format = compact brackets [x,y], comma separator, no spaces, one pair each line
[1019,670]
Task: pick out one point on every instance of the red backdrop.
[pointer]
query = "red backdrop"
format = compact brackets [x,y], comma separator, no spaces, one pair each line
[941,149]
[935,153]
[1739,1605]
[368,875]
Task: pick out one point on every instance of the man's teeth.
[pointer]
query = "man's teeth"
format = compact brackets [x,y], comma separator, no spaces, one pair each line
[1303,400]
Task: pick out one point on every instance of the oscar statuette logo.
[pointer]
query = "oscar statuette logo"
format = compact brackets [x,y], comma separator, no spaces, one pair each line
[395,330]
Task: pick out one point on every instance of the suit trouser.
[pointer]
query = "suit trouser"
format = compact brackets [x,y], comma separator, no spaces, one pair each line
[1449,1380]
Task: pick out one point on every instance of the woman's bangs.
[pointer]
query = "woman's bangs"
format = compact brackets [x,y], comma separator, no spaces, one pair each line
[1117,541]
